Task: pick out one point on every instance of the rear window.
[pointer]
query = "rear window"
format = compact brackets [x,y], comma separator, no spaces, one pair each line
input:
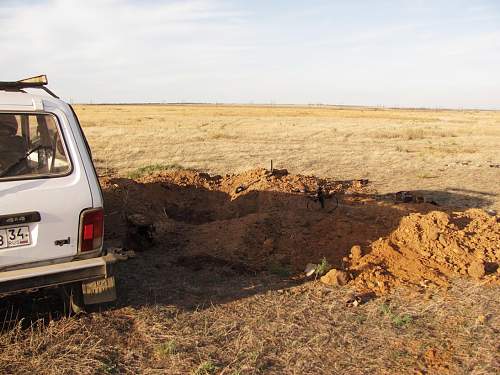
[31,145]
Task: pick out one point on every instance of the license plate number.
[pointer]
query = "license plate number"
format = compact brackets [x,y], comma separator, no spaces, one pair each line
[13,237]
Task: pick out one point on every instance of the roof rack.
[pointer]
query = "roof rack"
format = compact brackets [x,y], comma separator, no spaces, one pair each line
[37,82]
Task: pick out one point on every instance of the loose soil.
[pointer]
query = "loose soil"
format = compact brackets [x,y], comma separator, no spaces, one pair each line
[273,221]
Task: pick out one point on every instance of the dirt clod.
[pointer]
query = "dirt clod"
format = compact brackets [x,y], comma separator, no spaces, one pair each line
[335,277]
[356,252]
[476,270]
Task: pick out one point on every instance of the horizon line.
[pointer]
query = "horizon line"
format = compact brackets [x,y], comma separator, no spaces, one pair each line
[339,106]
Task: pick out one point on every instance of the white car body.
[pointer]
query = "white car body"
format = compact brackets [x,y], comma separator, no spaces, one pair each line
[54,256]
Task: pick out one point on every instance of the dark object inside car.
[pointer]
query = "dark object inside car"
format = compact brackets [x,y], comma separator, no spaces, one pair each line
[13,147]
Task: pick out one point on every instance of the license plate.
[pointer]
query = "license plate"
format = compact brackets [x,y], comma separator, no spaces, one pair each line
[13,237]
[99,291]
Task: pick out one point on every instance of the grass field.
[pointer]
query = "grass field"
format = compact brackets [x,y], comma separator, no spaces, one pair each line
[451,155]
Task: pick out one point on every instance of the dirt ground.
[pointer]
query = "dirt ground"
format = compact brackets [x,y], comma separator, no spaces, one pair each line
[402,282]
[276,222]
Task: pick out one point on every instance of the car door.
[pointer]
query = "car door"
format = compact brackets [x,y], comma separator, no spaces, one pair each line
[42,196]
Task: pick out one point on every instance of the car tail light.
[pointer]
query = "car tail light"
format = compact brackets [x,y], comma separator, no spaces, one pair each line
[91,229]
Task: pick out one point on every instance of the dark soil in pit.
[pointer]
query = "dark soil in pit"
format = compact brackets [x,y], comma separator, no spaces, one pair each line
[261,221]
[273,221]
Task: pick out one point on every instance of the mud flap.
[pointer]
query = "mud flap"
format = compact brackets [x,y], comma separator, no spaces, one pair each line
[99,291]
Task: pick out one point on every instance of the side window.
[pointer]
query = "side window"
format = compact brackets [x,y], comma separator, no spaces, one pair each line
[30,146]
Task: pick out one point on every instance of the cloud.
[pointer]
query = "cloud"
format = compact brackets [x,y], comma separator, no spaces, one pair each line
[111,40]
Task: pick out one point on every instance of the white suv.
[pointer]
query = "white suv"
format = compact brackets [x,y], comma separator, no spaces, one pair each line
[51,206]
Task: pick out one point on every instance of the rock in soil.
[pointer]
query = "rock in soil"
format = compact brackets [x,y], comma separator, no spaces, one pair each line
[476,270]
[335,277]
[356,252]
[310,269]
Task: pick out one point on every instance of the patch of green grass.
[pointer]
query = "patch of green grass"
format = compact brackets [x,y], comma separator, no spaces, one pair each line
[206,368]
[166,349]
[402,321]
[385,309]
[323,267]
[109,367]
[148,169]
[399,321]
[109,364]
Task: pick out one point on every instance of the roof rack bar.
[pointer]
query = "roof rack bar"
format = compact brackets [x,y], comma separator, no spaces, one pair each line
[36,81]
[39,82]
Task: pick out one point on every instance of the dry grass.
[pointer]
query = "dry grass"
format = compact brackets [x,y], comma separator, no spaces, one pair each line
[293,330]
[58,347]
[390,147]
[311,331]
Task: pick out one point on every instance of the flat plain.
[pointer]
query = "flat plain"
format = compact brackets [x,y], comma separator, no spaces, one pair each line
[450,155]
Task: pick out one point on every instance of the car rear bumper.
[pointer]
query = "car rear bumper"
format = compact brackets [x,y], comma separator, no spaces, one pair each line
[56,274]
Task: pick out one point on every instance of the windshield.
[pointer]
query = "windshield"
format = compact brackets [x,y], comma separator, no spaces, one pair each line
[31,145]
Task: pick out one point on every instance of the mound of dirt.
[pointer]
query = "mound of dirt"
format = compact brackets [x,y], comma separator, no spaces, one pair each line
[261,220]
[428,250]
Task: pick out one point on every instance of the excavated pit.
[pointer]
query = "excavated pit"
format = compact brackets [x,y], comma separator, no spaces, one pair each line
[258,220]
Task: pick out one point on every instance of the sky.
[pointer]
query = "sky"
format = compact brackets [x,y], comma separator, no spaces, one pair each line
[405,53]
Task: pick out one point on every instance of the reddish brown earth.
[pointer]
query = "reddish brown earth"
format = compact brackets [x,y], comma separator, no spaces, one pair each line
[275,225]
[429,250]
